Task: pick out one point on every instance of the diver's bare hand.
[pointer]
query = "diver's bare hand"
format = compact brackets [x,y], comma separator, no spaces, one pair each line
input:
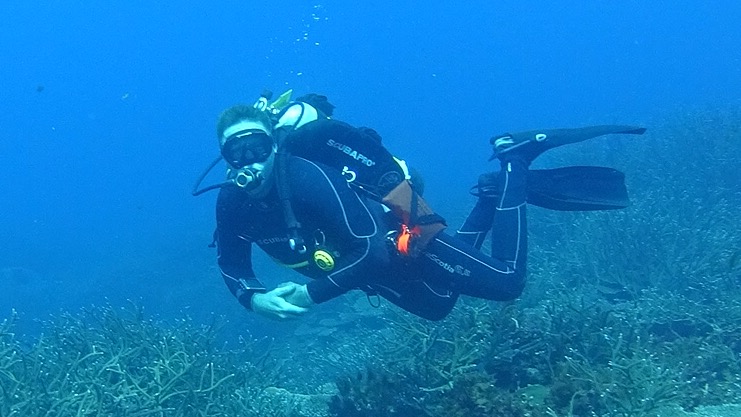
[275,305]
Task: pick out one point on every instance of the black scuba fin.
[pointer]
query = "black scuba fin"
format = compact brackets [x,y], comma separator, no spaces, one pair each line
[574,188]
[578,188]
[536,142]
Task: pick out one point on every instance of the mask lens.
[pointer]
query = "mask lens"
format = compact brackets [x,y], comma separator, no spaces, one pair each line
[247,147]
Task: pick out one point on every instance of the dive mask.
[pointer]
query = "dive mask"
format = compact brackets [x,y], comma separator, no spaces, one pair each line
[247,147]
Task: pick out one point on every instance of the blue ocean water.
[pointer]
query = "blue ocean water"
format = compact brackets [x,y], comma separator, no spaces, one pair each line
[108,112]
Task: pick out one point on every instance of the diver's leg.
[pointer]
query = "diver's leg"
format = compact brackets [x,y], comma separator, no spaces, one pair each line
[479,221]
[420,298]
[467,270]
[509,229]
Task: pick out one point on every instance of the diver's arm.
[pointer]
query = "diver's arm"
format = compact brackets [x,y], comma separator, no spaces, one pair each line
[240,279]
[235,252]
[236,269]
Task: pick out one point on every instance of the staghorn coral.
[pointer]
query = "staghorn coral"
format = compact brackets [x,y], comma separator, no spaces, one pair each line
[376,392]
[106,362]
[440,351]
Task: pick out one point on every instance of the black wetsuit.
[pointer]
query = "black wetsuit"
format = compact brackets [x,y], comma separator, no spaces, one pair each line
[353,228]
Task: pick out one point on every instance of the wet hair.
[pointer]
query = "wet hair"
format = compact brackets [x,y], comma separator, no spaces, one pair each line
[239,113]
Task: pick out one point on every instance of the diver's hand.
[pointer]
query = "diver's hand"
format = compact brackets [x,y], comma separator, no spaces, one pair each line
[300,296]
[274,304]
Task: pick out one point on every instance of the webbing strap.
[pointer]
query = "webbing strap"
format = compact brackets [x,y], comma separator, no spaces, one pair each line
[284,195]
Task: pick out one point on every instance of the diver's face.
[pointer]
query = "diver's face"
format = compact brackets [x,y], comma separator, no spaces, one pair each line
[246,143]
[248,148]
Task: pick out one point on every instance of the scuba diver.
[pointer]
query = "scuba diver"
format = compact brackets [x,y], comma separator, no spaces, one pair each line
[326,199]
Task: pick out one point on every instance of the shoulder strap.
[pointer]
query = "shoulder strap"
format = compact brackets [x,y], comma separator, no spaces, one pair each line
[284,195]
[289,119]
